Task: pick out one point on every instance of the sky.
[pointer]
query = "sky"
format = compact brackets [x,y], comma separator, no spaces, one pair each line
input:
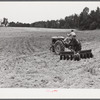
[29,12]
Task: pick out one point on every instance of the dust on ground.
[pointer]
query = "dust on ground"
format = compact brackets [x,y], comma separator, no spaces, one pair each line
[26,61]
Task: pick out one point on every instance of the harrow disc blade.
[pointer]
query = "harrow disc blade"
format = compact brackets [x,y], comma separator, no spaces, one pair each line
[64,57]
[71,57]
[88,55]
[60,57]
[67,57]
[91,55]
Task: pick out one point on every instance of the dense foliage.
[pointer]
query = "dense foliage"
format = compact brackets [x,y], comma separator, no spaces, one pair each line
[83,21]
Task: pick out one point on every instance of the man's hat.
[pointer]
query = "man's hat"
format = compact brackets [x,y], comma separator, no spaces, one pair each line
[72,34]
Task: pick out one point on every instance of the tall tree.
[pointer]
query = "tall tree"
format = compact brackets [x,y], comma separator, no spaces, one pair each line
[83,19]
[5,21]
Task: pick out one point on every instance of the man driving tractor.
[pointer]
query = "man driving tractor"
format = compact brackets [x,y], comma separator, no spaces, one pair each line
[69,37]
[71,42]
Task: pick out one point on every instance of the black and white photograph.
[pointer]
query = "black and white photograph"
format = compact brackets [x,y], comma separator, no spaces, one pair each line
[50,45]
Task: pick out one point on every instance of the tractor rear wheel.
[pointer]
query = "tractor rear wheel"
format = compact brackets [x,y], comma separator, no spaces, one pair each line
[59,47]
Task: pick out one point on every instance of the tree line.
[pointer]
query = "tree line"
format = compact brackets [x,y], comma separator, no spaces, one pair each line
[83,21]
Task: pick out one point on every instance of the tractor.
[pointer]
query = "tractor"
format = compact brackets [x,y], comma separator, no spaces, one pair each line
[74,47]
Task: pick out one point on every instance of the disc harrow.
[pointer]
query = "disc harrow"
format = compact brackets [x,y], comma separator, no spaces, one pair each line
[84,54]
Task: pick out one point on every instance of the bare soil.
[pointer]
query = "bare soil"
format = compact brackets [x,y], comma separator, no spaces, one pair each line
[26,61]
